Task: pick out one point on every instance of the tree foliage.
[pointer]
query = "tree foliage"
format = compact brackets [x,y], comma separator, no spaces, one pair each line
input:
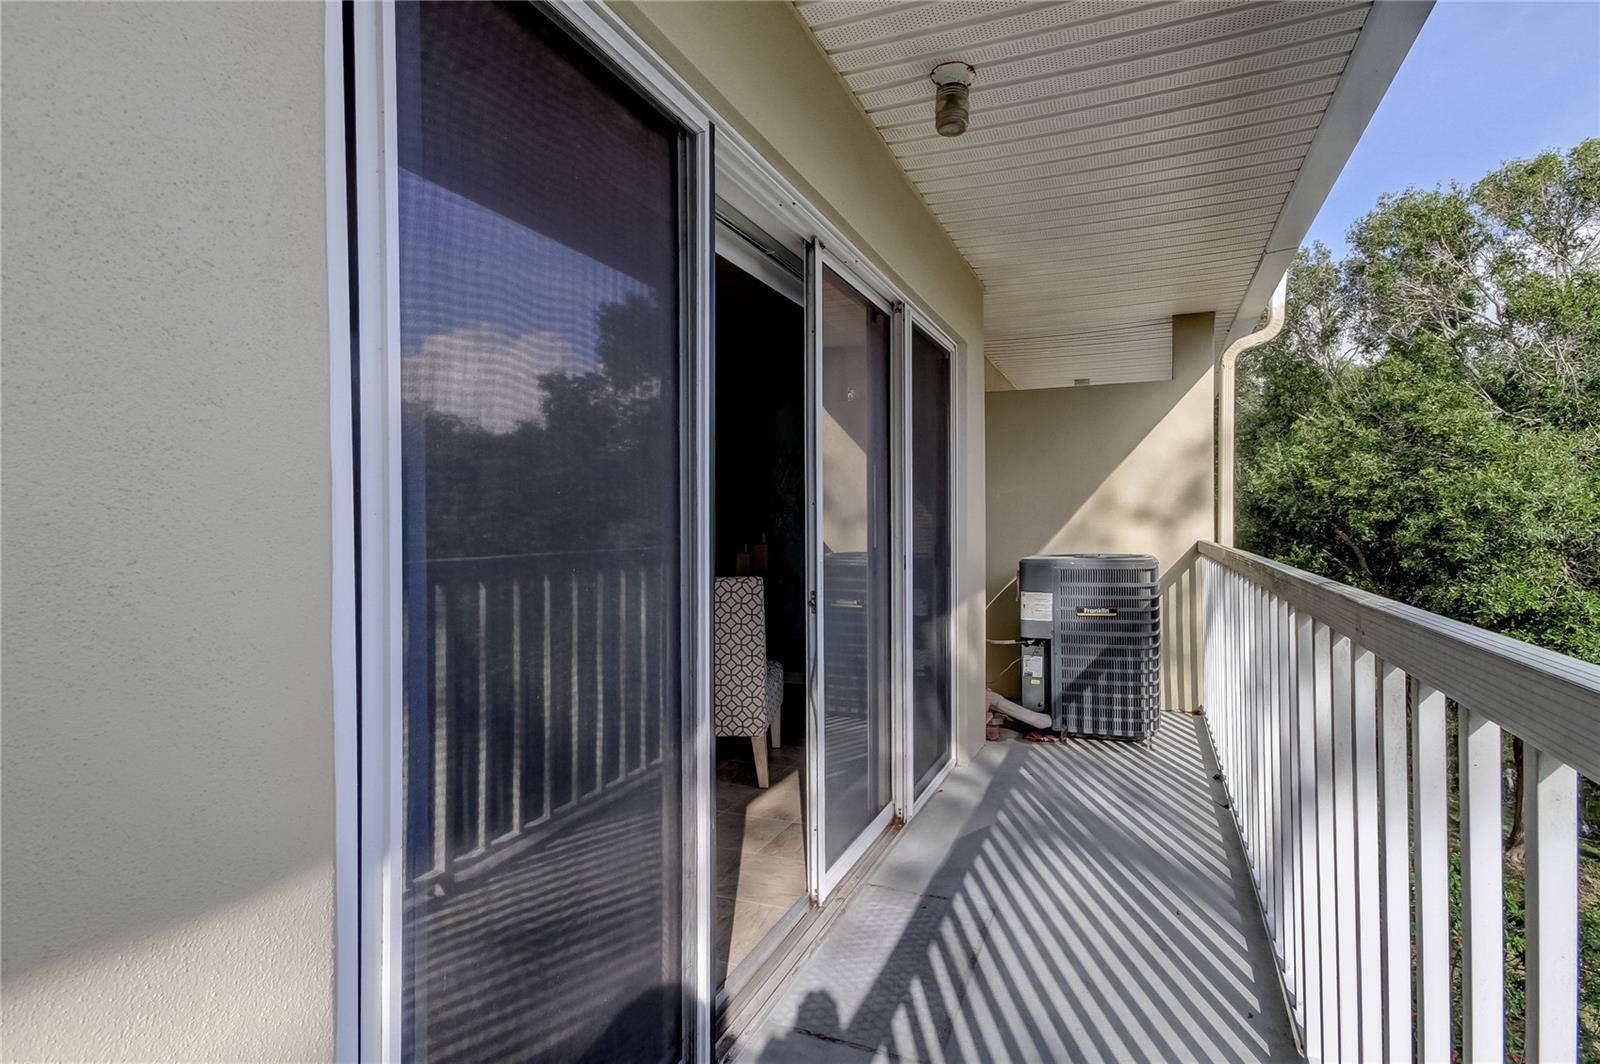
[1427,424]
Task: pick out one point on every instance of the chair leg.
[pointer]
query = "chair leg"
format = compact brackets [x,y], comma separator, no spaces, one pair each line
[760,746]
[775,729]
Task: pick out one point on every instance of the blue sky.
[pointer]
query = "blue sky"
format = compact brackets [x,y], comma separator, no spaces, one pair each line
[1484,83]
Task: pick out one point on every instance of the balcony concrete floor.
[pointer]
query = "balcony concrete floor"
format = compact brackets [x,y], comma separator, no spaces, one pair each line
[1082,901]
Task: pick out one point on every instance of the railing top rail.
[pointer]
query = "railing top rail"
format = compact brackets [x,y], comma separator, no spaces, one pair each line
[529,557]
[1547,699]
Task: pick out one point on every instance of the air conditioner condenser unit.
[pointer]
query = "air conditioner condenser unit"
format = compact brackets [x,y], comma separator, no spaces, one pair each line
[1091,642]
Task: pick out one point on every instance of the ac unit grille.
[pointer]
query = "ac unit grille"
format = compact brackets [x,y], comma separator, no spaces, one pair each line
[1106,646]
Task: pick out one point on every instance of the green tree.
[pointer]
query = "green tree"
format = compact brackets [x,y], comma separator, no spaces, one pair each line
[1427,425]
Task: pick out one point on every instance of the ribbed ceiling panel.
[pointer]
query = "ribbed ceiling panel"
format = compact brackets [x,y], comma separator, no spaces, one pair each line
[1124,355]
[1125,162]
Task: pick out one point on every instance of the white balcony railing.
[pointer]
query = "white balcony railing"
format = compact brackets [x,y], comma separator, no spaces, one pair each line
[1327,707]
[537,686]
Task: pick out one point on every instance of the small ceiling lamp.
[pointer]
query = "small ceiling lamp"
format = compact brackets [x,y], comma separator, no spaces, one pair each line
[953,80]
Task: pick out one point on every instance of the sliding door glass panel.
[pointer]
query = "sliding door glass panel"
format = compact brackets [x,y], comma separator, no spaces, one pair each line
[856,556]
[539,366]
[930,558]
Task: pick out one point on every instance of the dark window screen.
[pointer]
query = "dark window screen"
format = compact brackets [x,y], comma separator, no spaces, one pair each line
[930,557]
[539,335]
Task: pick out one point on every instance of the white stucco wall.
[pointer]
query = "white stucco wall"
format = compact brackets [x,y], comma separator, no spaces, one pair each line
[763,72]
[168,761]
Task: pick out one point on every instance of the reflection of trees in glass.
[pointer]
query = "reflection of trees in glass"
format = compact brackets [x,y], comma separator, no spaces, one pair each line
[591,474]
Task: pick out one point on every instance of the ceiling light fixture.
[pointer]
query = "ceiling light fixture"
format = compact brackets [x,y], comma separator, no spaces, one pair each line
[952,80]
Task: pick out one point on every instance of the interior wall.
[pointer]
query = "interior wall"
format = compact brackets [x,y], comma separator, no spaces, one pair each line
[1121,468]
[168,796]
[763,72]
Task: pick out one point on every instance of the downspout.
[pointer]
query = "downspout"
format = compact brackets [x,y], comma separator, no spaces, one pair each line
[1222,377]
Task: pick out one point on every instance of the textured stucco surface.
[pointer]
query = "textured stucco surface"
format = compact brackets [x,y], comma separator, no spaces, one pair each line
[168,762]
[1116,467]
[762,70]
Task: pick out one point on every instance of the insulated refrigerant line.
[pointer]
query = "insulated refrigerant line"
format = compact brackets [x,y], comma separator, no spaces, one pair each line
[1004,705]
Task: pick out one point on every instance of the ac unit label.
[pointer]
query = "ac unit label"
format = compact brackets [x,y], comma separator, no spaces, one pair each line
[1038,606]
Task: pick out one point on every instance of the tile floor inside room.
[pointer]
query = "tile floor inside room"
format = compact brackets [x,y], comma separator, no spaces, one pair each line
[761,865]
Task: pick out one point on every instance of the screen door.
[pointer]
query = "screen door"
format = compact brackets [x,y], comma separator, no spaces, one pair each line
[541,324]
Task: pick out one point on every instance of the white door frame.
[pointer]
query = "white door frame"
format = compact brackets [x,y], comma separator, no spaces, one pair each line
[823,878]
[900,493]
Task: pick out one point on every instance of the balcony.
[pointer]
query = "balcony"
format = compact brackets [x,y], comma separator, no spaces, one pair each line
[1241,888]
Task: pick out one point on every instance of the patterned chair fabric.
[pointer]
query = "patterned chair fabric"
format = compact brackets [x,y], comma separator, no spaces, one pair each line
[746,688]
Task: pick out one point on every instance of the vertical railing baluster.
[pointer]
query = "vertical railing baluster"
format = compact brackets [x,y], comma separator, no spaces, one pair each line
[1369,921]
[1310,879]
[622,672]
[1253,758]
[1235,712]
[1244,796]
[1246,705]
[1327,888]
[1241,754]
[1429,791]
[546,709]
[1264,759]
[1274,758]
[1293,961]
[644,671]
[1347,937]
[1482,896]
[1286,819]
[1550,816]
[599,679]
[1248,808]
[1263,762]
[441,731]
[482,797]
[1396,865]
[1275,755]
[518,710]
[575,698]
[1227,660]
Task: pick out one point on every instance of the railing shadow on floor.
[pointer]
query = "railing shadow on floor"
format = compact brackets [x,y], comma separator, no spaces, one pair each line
[1093,904]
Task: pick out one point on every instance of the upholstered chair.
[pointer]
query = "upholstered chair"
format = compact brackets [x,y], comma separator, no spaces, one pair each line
[746,688]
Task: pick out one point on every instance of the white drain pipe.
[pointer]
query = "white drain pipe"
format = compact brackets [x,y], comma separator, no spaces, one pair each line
[1222,530]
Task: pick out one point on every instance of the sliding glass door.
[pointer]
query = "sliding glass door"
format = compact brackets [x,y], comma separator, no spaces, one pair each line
[541,228]
[930,543]
[852,561]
